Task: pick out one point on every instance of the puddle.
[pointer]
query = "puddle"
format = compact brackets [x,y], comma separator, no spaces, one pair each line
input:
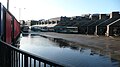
[68,53]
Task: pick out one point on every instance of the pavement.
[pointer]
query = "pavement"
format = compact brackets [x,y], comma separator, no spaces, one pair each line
[102,42]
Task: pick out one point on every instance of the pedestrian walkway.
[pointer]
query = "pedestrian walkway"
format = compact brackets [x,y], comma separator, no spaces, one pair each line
[106,43]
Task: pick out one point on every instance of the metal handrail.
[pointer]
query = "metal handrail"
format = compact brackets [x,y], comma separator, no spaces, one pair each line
[21,58]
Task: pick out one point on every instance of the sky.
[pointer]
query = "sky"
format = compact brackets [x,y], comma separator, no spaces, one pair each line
[46,9]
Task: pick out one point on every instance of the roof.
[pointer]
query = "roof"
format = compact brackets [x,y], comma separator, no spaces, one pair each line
[108,21]
[117,21]
[96,22]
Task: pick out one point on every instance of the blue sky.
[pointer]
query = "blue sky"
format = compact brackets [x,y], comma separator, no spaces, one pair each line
[45,9]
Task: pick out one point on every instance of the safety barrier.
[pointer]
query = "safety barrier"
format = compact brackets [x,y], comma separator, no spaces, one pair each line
[11,56]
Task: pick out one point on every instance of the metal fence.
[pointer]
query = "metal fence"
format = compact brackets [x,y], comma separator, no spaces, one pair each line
[11,56]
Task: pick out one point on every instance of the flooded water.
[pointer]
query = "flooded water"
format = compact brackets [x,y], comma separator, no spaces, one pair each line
[64,52]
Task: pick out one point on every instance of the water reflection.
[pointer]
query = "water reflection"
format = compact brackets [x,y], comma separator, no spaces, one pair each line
[64,44]
[67,52]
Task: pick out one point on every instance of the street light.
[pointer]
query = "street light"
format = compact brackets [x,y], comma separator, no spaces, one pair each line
[20,13]
[7,4]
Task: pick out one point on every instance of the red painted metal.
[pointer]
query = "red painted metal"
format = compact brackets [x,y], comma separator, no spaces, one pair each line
[16,28]
[8,28]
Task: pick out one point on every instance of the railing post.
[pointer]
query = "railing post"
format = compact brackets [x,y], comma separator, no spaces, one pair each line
[0,54]
[8,56]
[11,57]
[25,61]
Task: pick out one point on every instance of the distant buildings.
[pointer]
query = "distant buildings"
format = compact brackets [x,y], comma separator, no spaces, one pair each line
[94,24]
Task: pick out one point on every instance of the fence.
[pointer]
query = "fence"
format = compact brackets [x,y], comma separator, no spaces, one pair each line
[11,56]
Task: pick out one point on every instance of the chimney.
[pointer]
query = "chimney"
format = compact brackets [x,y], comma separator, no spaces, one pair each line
[103,16]
[114,15]
[95,16]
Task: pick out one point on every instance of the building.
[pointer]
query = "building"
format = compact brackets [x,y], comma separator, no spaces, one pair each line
[102,27]
[92,27]
[113,29]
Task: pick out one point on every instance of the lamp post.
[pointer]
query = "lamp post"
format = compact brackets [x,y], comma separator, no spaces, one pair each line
[7,4]
[20,12]
[20,9]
